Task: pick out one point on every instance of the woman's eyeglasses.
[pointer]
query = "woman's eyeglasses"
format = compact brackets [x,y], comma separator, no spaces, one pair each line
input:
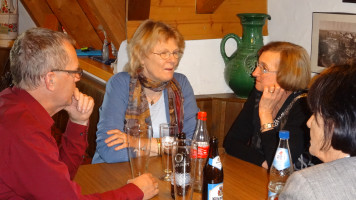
[78,73]
[166,54]
[264,68]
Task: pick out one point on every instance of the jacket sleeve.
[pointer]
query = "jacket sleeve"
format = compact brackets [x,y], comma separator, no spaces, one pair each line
[190,105]
[34,171]
[298,133]
[73,146]
[240,133]
[112,116]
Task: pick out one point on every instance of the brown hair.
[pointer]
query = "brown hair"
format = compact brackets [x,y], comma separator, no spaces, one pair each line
[146,37]
[35,53]
[294,71]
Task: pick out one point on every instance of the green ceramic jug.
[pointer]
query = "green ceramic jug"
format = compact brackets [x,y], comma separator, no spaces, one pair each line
[240,65]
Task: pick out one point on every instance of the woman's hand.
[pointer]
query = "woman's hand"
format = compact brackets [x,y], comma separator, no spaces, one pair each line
[117,137]
[270,103]
[265,165]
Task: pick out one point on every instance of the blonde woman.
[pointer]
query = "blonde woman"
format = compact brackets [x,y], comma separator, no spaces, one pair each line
[149,92]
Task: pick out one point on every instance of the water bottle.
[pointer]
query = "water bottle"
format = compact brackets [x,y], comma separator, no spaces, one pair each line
[201,138]
[105,51]
[282,166]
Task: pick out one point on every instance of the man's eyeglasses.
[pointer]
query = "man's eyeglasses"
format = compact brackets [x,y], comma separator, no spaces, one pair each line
[264,68]
[78,73]
[166,54]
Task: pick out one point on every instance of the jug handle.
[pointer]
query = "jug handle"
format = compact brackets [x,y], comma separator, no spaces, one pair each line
[223,42]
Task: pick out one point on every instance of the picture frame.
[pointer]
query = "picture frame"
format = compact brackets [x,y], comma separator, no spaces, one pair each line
[333,39]
[349,1]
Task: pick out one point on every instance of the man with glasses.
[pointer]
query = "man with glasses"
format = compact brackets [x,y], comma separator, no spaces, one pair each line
[44,67]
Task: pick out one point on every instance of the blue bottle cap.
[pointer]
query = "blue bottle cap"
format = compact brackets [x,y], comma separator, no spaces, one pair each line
[284,134]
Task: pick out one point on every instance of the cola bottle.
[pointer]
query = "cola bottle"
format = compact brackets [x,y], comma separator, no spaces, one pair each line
[182,168]
[201,139]
[213,174]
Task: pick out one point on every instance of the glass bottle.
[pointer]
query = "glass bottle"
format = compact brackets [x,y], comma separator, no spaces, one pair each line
[180,139]
[213,174]
[201,138]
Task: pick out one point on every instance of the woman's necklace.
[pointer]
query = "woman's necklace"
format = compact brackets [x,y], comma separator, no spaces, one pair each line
[153,98]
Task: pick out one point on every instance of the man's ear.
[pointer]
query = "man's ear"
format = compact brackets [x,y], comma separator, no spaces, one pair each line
[49,80]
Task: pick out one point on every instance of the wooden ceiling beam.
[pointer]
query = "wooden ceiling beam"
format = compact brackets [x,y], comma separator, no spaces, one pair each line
[112,16]
[84,4]
[38,10]
[75,22]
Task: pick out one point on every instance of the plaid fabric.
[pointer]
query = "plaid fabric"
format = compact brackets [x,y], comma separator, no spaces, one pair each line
[138,111]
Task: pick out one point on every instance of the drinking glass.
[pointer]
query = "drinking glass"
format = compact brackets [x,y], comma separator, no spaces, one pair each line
[139,147]
[184,164]
[168,134]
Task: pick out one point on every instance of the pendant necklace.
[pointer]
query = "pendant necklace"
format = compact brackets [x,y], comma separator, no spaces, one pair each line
[153,98]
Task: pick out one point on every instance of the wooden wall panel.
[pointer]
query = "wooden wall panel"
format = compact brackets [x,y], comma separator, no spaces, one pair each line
[222,110]
[138,9]
[207,6]
[181,14]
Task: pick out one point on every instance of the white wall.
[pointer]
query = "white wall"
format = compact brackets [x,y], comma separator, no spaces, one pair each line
[25,21]
[202,62]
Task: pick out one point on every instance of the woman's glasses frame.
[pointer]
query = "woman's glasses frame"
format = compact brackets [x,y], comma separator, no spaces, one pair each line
[166,54]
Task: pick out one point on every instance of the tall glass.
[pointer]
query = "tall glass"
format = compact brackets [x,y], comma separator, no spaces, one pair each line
[139,147]
[167,133]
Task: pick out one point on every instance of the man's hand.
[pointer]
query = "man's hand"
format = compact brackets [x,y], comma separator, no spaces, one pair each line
[81,108]
[147,183]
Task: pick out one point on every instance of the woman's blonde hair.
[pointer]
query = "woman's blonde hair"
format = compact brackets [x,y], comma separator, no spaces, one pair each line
[146,37]
[294,71]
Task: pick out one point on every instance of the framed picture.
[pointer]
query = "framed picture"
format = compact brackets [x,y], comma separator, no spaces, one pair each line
[349,1]
[333,39]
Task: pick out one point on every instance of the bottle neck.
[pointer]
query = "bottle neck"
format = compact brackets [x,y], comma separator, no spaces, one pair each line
[202,125]
[283,143]
[213,150]
[201,132]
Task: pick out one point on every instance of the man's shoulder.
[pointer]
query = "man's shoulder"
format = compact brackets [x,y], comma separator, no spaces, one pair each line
[9,104]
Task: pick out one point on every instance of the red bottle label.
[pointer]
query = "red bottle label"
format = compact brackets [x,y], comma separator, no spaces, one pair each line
[201,153]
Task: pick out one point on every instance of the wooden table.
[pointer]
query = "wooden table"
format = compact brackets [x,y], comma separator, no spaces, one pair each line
[242,180]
